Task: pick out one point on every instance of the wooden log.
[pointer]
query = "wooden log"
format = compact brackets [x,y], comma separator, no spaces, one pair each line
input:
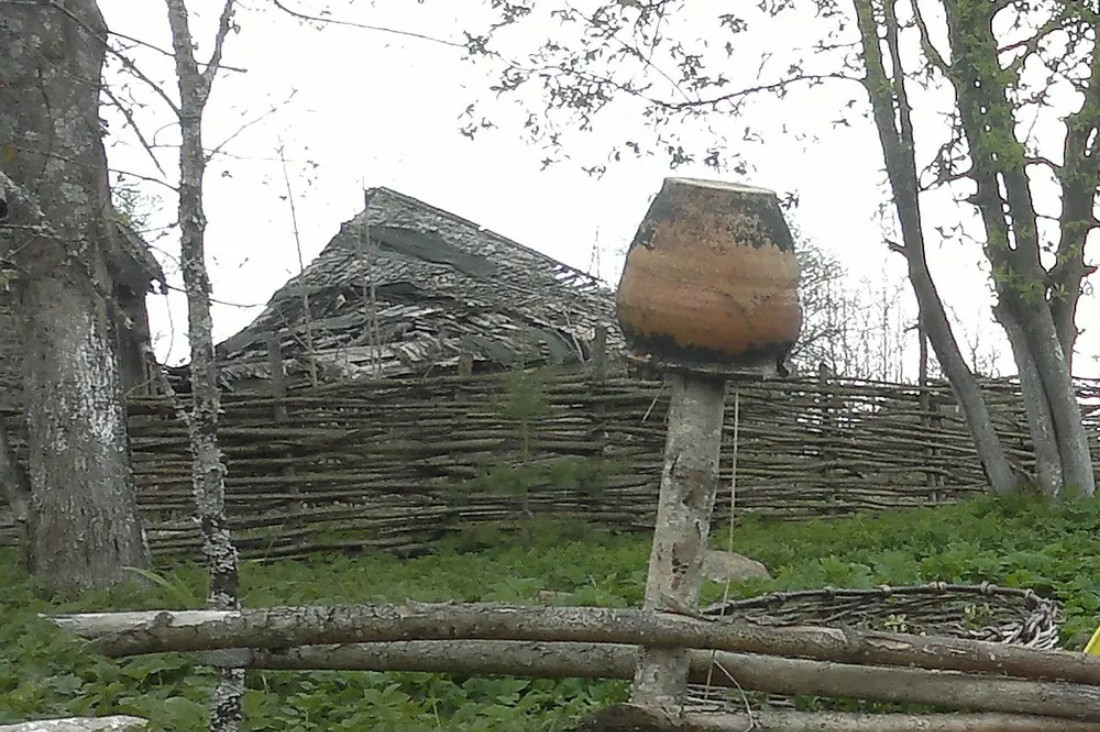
[640,719]
[135,633]
[689,483]
[746,672]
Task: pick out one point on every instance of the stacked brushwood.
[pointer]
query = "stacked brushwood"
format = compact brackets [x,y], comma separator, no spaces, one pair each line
[396,464]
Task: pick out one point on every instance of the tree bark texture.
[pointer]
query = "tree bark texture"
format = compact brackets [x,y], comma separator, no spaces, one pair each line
[208,470]
[84,528]
[638,719]
[689,483]
[1040,423]
[1025,288]
[748,672]
[16,484]
[898,152]
[135,633]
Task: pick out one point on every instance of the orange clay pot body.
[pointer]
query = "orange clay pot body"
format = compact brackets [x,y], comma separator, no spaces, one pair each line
[711,277]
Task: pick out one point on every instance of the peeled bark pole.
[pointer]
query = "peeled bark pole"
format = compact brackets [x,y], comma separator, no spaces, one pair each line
[709,291]
[739,671]
[629,718]
[161,631]
[689,482]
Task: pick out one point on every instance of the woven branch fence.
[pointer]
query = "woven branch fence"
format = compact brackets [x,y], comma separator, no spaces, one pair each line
[396,464]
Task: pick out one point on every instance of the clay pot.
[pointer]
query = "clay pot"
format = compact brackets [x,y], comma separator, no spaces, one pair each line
[711,278]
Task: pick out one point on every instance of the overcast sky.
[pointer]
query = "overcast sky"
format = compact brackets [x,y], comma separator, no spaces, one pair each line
[355,108]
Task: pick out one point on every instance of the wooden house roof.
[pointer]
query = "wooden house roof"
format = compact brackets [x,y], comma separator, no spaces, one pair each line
[406,289]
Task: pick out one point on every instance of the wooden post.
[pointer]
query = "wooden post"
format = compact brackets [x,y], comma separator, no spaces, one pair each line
[278,379]
[598,361]
[278,391]
[689,484]
[831,406]
[466,364]
[597,432]
[709,292]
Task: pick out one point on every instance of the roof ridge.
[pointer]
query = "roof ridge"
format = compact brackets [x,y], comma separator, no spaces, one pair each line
[444,213]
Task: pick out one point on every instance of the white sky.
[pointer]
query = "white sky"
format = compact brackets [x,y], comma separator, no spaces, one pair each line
[374,109]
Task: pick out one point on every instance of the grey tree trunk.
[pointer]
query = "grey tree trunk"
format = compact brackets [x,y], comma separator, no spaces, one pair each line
[1036,305]
[208,471]
[896,136]
[84,528]
[1048,461]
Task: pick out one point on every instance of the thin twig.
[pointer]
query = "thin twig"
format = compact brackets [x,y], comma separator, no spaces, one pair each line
[365,26]
[307,315]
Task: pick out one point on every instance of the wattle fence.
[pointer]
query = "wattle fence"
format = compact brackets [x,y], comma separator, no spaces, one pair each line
[396,464]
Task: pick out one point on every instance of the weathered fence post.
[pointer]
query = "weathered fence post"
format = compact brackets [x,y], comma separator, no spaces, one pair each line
[466,364]
[278,378]
[278,393]
[708,293]
[598,360]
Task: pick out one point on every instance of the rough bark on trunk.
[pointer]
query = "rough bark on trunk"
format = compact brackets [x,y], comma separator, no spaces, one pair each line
[84,528]
[17,490]
[1056,387]
[689,483]
[1025,287]
[1044,439]
[208,470]
[897,142]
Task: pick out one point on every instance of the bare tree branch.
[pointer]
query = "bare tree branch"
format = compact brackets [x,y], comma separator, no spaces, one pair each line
[128,115]
[934,56]
[364,26]
[225,23]
[217,149]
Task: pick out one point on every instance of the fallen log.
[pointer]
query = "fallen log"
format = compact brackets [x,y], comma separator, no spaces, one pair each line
[135,633]
[749,672]
[637,719]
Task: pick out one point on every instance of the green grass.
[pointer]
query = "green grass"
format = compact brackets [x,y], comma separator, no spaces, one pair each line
[1054,550]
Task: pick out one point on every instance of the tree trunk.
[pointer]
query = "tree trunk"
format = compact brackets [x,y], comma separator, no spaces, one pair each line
[897,142]
[84,527]
[208,469]
[1044,439]
[1013,246]
[1058,389]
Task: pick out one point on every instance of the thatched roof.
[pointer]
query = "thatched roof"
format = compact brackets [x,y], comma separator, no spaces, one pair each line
[423,288]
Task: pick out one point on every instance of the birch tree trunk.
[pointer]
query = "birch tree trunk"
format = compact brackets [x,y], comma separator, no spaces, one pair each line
[83,525]
[208,470]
